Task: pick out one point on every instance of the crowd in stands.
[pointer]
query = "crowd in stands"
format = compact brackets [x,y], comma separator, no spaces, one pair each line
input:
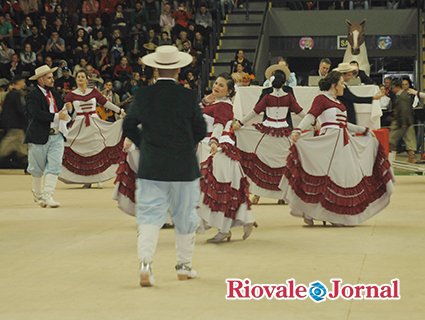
[108,37]
[345,5]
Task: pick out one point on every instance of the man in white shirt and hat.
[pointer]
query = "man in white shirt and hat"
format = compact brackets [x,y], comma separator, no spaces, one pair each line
[46,132]
[166,122]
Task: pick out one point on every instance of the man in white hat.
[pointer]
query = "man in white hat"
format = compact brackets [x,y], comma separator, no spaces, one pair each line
[45,135]
[349,98]
[171,123]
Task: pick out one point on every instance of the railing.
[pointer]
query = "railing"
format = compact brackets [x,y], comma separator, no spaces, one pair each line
[260,38]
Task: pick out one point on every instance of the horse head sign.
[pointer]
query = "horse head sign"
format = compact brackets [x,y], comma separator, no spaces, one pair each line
[356,49]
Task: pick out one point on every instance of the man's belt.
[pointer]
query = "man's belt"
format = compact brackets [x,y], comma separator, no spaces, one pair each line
[53,131]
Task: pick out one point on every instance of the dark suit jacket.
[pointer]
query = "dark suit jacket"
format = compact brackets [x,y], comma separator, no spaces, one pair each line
[172,124]
[40,116]
[364,78]
[14,113]
[348,100]
[285,89]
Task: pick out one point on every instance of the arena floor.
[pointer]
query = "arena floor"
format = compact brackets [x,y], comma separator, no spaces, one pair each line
[79,261]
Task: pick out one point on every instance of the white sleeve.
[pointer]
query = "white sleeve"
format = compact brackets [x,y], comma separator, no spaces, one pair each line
[247,118]
[355,128]
[306,123]
[217,132]
[112,107]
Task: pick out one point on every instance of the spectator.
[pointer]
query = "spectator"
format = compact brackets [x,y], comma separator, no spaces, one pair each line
[187,48]
[122,73]
[117,49]
[292,80]
[37,42]
[190,81]
[81,65]
[61,14]
[86,53]
[199,46]
[97,26]
[66,83]
[103,63]
[62,65]
[139,16]
[131,85]
[5,54]
[204,19]
[165,40]
[84,25]
[15,26]
[14,9]
[56,46]
[388,82]
[152,37]
[106,9]
[90,9]
[402,126]
[238,75]
[191,31]
[181,16]
[324,66]
[360,74]
[385,100]
[229,7]
[98,41]
[28,58]
[15,67]
[95,81]
[166,21]
[183,37]
[194,67]
[136,46]
[146,73]
[44,28]
[119,19]
[152,7]
[60,28]
[30,8]
[14,120]
[79,40]
[6,31]
[111,96]
[239,58]
[25,30]
[358,4]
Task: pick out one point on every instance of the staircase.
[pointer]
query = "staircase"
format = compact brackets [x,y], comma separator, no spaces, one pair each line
[238,33]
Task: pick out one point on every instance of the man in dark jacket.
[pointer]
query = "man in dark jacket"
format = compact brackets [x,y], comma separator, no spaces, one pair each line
[402,126]
[45,135]
[15,122]
[166,122]
[357,73]
[348,99]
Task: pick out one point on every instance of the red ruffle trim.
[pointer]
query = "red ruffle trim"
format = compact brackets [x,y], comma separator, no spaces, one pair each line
[261,174]
[221,197]
[321,189]
[276,132]
[127,180]
[89,166]
[231,151]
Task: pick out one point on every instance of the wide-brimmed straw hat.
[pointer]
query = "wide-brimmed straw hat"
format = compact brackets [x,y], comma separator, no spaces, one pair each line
[345,67]
[41,71]
[150,46]
[167,57]
[270,70]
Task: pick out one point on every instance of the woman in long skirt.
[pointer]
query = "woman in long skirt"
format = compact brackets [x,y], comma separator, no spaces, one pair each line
[335,177]
[264,146]
[224,186]
[93,149]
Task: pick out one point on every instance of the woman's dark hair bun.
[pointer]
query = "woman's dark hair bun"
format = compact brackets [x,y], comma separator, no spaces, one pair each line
[279,79]
[332,78]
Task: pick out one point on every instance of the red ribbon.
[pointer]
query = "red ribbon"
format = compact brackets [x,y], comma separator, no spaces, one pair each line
[342,125]
[276,120]
[87,116]
[48,96]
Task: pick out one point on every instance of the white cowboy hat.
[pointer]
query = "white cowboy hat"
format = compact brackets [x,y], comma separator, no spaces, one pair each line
[270,70]
[167,57]
[150,46]
[345,67]
[41,71]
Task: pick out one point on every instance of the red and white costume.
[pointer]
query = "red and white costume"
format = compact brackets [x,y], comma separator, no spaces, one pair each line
[93,148]
[264,146]
[224,187]
[336,177]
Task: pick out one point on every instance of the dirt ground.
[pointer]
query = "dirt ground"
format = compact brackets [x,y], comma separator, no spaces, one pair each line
[79,261]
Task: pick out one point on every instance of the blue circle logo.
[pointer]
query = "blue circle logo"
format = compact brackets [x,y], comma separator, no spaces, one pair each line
[384,43]
[317,291]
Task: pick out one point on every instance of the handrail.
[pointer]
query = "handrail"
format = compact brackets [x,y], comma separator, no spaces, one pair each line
[257,48]
[247,9]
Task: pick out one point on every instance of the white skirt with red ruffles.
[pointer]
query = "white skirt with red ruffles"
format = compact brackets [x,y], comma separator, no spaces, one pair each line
[263,153]
[329,181]
[224,192]
[92,152]
[125,182]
